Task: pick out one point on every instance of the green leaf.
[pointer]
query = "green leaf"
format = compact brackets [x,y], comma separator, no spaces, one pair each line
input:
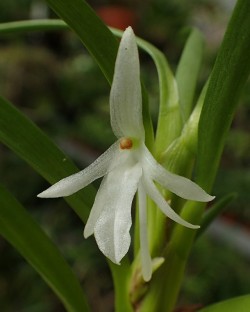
[21,230]
[214,211]
[184,148]
[30,143]
[228,78]
[237,304]
[188,70]
[95,35]
[169,121]
[56,24]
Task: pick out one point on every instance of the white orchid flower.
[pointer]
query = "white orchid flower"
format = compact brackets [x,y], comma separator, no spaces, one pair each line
[127,167]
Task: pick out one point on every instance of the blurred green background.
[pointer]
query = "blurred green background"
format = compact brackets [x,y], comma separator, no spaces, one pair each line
[51,78]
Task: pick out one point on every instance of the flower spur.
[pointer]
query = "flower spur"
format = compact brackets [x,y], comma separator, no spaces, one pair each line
[127,167]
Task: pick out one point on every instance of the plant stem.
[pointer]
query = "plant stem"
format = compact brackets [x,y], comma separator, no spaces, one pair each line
[166,282]
[121,276]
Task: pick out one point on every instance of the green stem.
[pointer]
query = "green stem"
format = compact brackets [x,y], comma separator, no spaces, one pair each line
[165,286]
[32,25]
[121,274]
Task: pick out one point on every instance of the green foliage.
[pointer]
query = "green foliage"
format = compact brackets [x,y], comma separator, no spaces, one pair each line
[216,116]
[240,304]
[30,143]
[26,140]
[17,226]
[97,38]
[210,264]
[187,72]
[213,212]
[223,93]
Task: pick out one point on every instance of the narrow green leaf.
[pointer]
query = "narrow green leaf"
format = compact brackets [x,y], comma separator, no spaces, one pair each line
[188,70]
[95,35]
[19,228]
[184,148]
[214,211]
[237,304]
[228,78]
[169,119]
[30,143]
[157,56]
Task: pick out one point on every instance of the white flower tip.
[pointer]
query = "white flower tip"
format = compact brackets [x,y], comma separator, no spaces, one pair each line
[129,31]
[210,197]
[116,259]
[149,270]
[49,193]
[200,195]
[44,194]
[191,226]
[88,231]
[128,37]
[147,276]
[157,262]
[196,227]
[146,270]
[62,188]
[204,197]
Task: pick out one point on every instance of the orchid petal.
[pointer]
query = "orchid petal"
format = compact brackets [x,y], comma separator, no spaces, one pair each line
[100,199]
[113,209]
[178,185]
[97,169]
[145,255]
[125,95]
[156,196]
[95,211]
